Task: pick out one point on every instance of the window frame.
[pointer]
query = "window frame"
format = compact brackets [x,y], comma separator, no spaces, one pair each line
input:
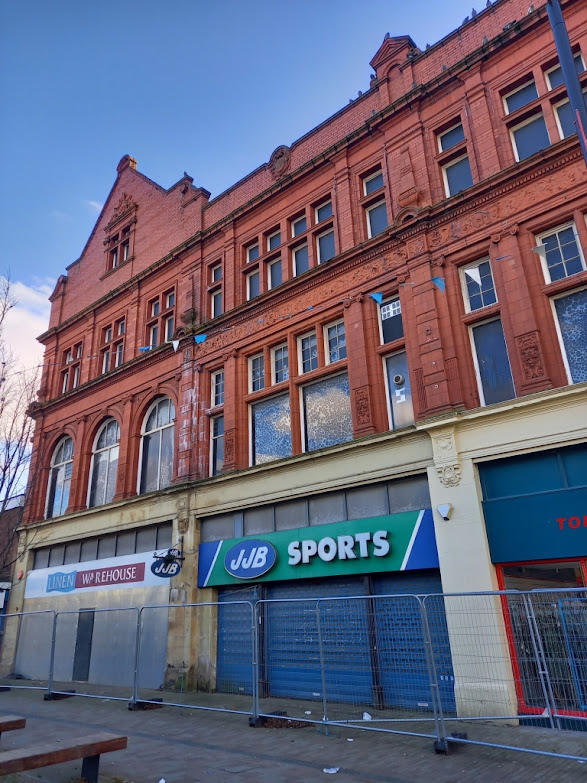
[369,178]
[470,328]
[328,360]
[215,297]
[389,301]
[168,321]
[260,378]
[464,289]
[519,88]
[543,262]
[303,411]
[368,209]
[388,391]
[327,232]
[50,491]
[294,221]
[102,427]
[320,206]
[563,349]
[214,439]
[299,339]
[269,237]
[216,381]
[294,251]
[213,269]
[254,273]
[548,71]
[527,121]
[274,349]
[249,249]
[153,330]
[270,265]
[143,432]
[452,162]
[446,131]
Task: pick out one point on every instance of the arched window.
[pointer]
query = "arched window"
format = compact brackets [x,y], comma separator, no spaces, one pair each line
[104,464]
[157,446]
[60,478]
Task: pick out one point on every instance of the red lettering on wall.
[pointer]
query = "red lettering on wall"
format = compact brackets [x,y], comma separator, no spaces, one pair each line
[572,522]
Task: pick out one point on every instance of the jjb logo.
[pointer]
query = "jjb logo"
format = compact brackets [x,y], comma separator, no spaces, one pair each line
[250,559]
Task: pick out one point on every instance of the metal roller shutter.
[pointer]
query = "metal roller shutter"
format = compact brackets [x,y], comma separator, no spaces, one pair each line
[293,631]
[403,669]
[234,661]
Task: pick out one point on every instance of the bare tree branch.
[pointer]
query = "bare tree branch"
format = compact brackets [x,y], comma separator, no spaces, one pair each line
[18,388]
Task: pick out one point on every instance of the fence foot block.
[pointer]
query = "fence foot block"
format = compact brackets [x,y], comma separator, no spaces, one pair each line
[256,723]
[58,696]
[441,746]
[154,704]
[4,688]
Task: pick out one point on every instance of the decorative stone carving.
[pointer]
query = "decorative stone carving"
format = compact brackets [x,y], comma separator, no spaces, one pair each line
[530,356]
[125,204]
[279,162]
[183,526]
[533,192]
[416,246]
[362,406]
[229,447]
[446,457]
[449,475]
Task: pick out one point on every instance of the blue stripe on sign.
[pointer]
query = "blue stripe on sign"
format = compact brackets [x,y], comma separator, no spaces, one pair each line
[422,551]
[412,541]
[207,556]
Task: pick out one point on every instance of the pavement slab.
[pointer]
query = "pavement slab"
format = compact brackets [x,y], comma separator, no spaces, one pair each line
[182,745]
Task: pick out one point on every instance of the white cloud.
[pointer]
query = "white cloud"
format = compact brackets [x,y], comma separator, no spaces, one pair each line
[61,217]
[27,320]
[97,206]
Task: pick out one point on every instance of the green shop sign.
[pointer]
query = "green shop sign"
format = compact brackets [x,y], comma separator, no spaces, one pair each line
[396,542]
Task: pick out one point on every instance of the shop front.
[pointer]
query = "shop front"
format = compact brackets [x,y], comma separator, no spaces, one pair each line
[535,509]
[335,610]
[96,604]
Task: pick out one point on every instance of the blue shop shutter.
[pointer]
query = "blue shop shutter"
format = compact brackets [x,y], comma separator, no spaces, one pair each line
[235,641]
[403,669]
[293,647]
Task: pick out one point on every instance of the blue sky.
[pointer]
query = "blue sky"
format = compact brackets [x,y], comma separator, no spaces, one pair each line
[211,88]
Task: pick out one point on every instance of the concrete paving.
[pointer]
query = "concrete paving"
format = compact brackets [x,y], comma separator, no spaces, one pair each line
[181,745]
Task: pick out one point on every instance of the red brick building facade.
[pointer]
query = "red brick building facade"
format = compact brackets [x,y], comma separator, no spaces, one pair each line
[368,306]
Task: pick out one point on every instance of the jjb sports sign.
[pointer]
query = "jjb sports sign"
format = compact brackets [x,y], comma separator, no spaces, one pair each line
[397,542]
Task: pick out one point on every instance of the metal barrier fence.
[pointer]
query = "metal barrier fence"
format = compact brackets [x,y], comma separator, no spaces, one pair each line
[26,649]
[457,668]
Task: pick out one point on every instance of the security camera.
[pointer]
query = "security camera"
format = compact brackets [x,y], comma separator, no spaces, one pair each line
[398,380]
[445,510]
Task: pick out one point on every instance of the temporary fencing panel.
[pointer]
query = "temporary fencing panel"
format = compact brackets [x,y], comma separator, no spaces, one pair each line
[235,641]
[94,649]
[573,614]
[517,657]
[401,643]
[26,648]
[314,644]
[153,633]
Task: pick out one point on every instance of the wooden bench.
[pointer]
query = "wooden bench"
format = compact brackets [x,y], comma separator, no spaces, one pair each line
[11,722]
[87,748]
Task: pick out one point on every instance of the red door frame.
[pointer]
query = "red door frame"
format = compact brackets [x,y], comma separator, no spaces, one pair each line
[523,707]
